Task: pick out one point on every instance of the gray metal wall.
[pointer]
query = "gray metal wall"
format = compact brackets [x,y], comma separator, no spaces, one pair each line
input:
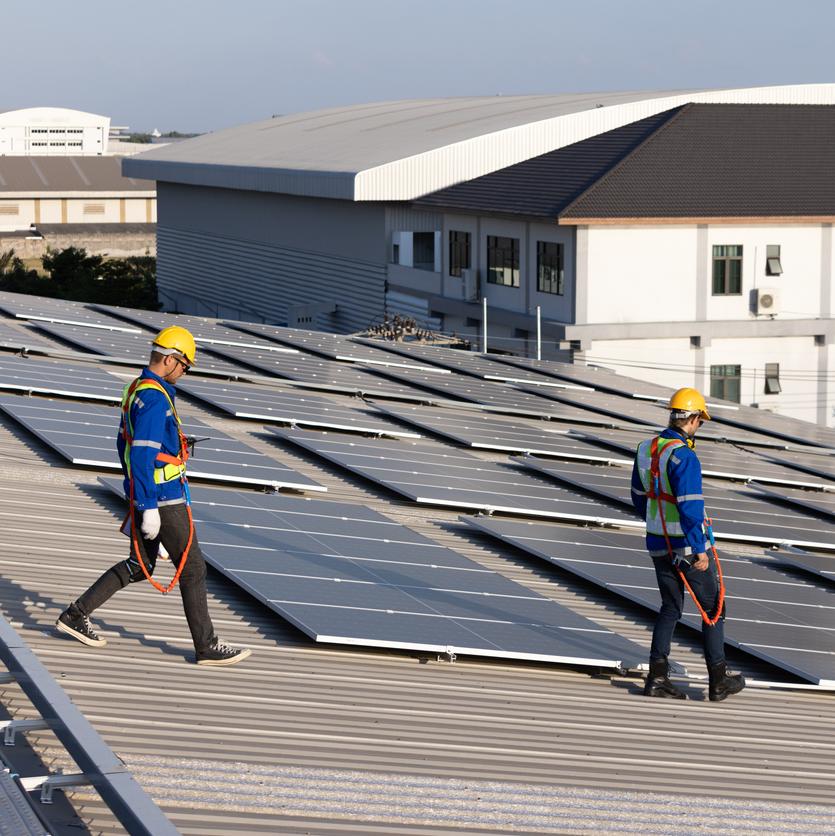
[249,255]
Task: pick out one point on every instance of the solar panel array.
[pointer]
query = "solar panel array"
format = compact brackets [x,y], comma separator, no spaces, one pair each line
[769,613]
[330,571]
[23,306]
[296,408]
[431,474]
[345,574]
[85,434]
[22,339]
[133,349]
[738,513]
[50,378]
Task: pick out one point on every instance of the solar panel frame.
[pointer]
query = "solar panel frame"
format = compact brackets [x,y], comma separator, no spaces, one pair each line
[818,464]
[261,403]
[351,561]
[430,474]
[636,582]
[738,513]
[818,565]
[85,435]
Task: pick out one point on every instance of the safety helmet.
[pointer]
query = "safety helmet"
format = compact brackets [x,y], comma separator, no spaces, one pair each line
[175,340]
[688,401]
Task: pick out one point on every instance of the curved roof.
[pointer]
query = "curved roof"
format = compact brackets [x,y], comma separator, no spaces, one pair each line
[51,116]
[403,150]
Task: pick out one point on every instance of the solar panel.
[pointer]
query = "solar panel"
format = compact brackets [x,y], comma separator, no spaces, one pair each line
[295,408]
[820,464]
[205,331]
[467,362]
[133,349]
[794,430]
[316,373]
[719,460]
[24,306]
[771,614]
[738,513]
[330,346]
[85,434]
[47,377]
[500,434]
[344,574]
[493,396]
[819,565]
[22,339]
[431,474]
[816,502]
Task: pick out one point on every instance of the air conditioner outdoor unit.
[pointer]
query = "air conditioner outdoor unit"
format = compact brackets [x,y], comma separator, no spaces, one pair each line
[469,285]
[768,300]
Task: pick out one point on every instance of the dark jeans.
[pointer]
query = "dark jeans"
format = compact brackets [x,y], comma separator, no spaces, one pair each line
[174,530]
[705,586]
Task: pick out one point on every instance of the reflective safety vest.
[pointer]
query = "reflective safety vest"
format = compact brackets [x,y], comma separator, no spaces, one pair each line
[660,497]
[168,468]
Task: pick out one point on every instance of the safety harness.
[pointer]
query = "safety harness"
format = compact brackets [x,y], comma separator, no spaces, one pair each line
[655,492]
[174,467]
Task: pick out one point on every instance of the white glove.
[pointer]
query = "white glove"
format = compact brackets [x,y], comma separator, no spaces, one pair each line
[150,524]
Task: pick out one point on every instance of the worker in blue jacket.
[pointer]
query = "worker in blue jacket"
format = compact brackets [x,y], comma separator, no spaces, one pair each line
[153,453]
[672,503]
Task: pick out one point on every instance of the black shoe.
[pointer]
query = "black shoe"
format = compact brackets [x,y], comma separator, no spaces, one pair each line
[74,624]
[222,654]
[723,684]
[659,685]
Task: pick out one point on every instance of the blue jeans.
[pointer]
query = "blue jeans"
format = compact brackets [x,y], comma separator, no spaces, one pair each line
[705,586]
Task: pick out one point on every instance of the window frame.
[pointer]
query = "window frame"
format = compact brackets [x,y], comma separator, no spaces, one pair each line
[506,273]
[543,283]
[725,376]
[460,249]
[772,379]
[721,286]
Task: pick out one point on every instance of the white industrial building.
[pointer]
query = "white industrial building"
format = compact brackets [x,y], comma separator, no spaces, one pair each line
[683,237]
[49,131]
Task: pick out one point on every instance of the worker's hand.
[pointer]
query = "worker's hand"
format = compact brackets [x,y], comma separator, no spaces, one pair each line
[150,524]
[701,562]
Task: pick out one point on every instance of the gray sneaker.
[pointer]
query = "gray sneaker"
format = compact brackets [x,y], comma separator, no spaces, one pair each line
[78,626]
[219,653]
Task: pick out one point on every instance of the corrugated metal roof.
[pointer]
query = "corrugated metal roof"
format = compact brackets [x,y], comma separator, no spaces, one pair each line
[320,739]
[38,176]
[403,150]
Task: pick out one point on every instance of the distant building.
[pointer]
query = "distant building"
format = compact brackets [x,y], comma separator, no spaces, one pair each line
[683,237]
[52,131]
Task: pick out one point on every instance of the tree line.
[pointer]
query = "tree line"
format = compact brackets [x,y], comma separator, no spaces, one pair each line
[73,274]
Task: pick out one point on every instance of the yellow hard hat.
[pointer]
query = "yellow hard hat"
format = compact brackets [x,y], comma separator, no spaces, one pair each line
[689,400]
[176,339]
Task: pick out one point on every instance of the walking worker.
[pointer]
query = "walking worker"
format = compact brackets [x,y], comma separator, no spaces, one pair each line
[667,492]
[153,452]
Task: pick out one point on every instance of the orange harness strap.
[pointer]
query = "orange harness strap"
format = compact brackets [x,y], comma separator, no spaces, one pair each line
[655,492]
[179,461]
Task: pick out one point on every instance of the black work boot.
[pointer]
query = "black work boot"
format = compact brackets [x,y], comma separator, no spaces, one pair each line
[658,684]
[723,684]
[218,653]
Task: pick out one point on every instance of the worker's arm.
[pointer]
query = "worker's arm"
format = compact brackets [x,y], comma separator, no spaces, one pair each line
[685,474]
[639,494]
[148,414]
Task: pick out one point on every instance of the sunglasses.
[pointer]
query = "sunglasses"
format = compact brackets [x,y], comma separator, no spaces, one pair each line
[185,366]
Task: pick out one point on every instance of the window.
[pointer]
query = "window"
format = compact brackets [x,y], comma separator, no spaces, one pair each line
[424,250]
[725,382]
[9,209]
[93,208]
[549,271]
[772,379]
[727,270]
[503,260]
[459,252]
[773,267]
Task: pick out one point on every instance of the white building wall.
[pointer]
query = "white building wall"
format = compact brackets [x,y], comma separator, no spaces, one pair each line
[53,131]
[640,274]
[668,362]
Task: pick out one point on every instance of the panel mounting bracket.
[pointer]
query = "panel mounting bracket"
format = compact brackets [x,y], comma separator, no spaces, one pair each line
[449,655]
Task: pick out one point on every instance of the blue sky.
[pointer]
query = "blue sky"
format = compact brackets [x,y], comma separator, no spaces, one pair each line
[196,66]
